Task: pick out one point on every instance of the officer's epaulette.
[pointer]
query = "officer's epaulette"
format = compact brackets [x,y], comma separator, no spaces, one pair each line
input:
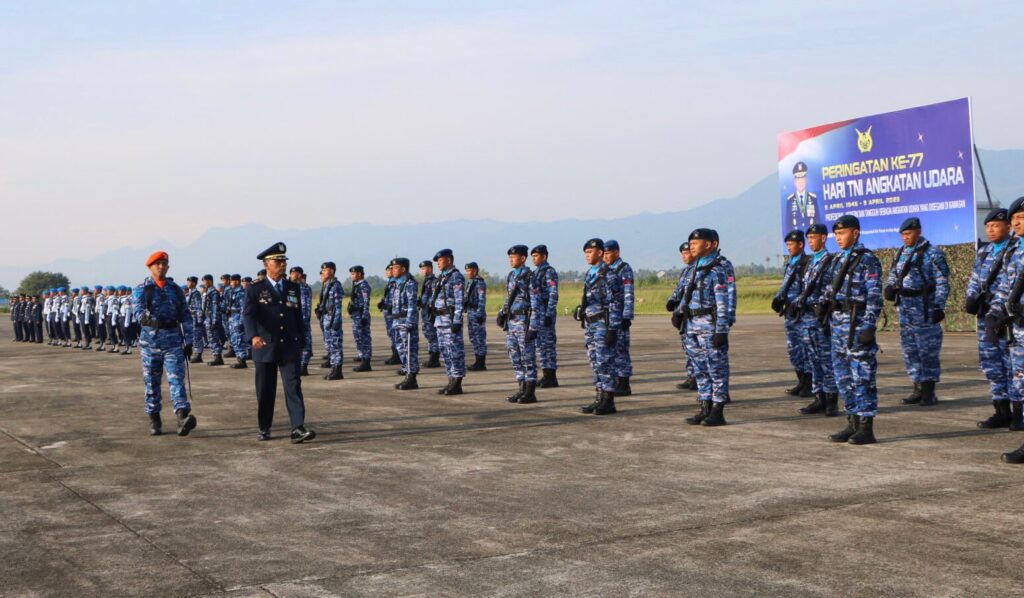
[791,196]
[811,195]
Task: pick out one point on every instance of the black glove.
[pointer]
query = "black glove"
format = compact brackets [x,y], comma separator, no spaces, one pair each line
[890,293]
[548,321]
[777,304]
[188,351]
[611,337]
[994,327]
[626,324]
[867,336]
[457,328]
[938,316]
[501,319]
[480,319]
[677,320]
[794,309]
[720,340]
[971,306]
[531,335]
[672,305]
[336,325]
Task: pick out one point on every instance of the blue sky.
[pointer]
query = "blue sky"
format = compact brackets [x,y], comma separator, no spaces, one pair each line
[119,117]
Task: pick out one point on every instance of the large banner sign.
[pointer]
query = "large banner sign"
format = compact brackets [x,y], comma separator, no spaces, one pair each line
[883,169]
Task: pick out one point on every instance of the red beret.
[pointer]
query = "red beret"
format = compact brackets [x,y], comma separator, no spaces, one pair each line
[156,257]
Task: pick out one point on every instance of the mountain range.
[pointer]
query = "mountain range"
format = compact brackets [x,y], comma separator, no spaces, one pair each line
[747,223]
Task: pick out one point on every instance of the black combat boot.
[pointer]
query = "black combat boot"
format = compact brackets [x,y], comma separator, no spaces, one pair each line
[186,421]
[915,397]
[796,390]
[335,374]
[434,361]
[606,404]
[99,348]
[689,384]
[456,388]
[326,363]
[588,409]
[850,430]
[217,360]
[87,346]
[807,391]
[705,410]
[1016,416]
[356,359]
[239,364]
[816,406]
[831,404]
[514,397]
[479,365]
[402,372]
[549,379]
[716,417]
[394,359]
[229,353]
[305,370]
[622,389]
[445,390]
[364,366]
[1015,457]
[928,397]
[156,427]
[529,394]
[409,383]
[865,433]
[196,358]
[1001,418]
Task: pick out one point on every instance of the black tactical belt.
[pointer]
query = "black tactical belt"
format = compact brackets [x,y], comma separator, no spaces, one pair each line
[601,316]
[160,325]
[846,308]
[915,292]
[519,312]
[703,311]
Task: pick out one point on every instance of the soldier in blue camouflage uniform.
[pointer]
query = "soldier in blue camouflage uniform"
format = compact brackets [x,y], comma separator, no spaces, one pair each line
[994,357]
[194,297]
[298,276]
[850,307]
[519,319]
[359,311]
[792,286]
[703,319]
[918,283]
[160,306]
[449,313]
[546,280]
[599,314]
[429,333]
[813,335]
[476,316]
[1006,311]
[405,309]
[329,311]
[690,383]
[720,358]
[232,304]
[212,319]
[384,305]
[620,275]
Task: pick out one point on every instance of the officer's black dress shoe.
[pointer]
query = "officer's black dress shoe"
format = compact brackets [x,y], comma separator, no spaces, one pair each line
[301,434]
[263,435]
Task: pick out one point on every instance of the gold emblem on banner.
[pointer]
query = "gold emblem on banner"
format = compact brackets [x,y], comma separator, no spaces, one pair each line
[864,141]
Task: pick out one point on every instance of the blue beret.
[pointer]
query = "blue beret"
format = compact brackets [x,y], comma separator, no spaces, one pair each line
[207,276]
[998,215]
[1016,206]
[358,269]
[426,264]
[295,269]
[443,253]
[541,249]
[817,229]
[611,245]
[685,246]
[795,235]
[236,277]
[846,221]
[247,279]
[594,243]
[714,235]
[108,288]
[472,266]
[98,287]
[400,261]
[701,234]
[910,224]
[74,290]
[326,265]
[192,279]
[518,250]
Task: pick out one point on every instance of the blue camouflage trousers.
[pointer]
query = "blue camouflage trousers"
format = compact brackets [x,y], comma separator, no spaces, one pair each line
[997,364]
[623,365]
[453,350]
[333,343]
[710,366]
[478,333]
[521,352]
[1016,389]
[547,350]
[389,325]
[407,342]
[213,333]
[818,350]
[429,333]
[794,345]
[361,335]
[855,368]
[307,346]
[236,332]
[601,357]
[198,335]
[921,345]
[689,364]
[160,350]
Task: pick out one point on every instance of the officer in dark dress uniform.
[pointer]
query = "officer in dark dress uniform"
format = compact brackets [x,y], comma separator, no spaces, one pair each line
[272,316]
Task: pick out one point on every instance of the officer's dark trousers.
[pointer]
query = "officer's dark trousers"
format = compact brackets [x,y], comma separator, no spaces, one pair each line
[111,330]
[78,332]
[266,392]
[87,332]
[39,332]
[101,331]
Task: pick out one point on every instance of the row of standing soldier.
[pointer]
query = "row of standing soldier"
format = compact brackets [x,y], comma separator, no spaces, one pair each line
[75,318]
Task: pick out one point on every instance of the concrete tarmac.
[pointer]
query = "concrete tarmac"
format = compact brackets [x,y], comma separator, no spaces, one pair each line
[416,494]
